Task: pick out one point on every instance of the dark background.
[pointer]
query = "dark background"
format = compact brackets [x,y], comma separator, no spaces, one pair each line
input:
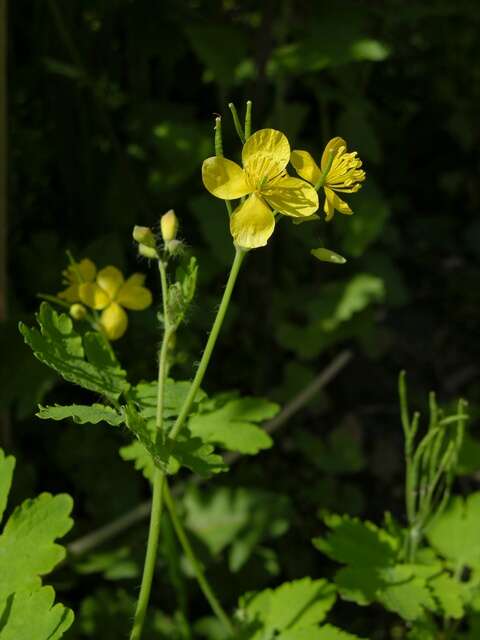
[111,109]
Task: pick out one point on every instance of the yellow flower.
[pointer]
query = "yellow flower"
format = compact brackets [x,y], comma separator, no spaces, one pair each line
[266,183]
[75,275]
[339,171]
[110,293]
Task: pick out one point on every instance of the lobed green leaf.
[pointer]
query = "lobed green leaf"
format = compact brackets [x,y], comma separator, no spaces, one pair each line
[89,363]
[32,615]
[233,425]
[81,414]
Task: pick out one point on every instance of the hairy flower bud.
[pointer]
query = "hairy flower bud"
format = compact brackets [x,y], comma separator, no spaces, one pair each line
[147,252]
[169,226]
[78,311]
[144,235]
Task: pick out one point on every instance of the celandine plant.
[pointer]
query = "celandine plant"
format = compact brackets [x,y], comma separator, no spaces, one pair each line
[175,425]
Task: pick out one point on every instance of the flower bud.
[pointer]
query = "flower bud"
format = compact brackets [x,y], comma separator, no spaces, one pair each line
[169,226]
[144,235]
[147,252]
[78,311]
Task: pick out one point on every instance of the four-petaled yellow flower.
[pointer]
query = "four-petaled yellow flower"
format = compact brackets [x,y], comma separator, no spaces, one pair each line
[74,275]
[264,180]
[110,293]
[339,171]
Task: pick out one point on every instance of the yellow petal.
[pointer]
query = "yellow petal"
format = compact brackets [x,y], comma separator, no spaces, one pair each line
[71,293]
[265,155]
[137,279]
[133,296]
[292,197]
[332,147]
[110,279]
[93,296]
[305,166]
[224,179]
[114,321]
[333,202]
[252,223]
[87,270]
[83,271]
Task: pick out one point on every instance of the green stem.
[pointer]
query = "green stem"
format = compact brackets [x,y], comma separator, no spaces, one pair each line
[199,574]
[212,339]
[151,555]
[159,475]
[54,300]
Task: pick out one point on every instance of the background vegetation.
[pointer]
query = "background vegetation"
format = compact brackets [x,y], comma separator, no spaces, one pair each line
[111,108]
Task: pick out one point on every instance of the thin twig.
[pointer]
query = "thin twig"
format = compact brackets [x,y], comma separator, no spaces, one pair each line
[116,527]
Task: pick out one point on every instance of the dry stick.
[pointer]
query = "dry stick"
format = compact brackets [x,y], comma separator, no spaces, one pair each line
[99,536]
[5,435]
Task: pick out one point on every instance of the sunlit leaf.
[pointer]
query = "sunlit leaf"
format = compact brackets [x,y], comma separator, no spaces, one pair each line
[88,362]
[81,414]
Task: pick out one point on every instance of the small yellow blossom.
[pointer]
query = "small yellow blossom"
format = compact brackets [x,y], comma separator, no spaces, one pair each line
[265,181]
[339,171]
[110,293]
[74,275]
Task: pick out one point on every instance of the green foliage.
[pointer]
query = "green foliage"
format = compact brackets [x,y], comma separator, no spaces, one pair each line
[223,420]
[208,40]
[27,552]
[82,414]
[103,140]
[170,455]
[332,315]
[32,615]
[231,424]
[338,453]
[372,571]
[454,533]
[235,518]
[293,611]
[88,361]
[371,212]
[335,38]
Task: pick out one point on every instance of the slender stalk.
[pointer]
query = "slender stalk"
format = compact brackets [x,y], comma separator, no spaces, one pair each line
[150,557]
[212,339]
[54,300]
[159,475]
[199,574]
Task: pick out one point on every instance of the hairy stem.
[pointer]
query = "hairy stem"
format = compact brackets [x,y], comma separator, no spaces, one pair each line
[212,339]
[159,475]
[159,478]
[199,574]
